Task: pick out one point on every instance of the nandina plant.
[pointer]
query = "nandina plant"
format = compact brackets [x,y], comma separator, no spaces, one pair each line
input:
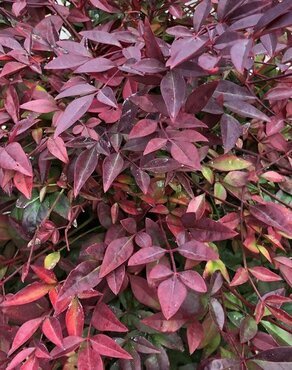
[145,181]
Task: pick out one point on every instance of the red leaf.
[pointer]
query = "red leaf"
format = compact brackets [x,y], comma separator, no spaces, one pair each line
[195,335]
[264,274]
[160,272]
[142,178]
[73,112]
[32,363]
[173,90]
[200,96]
[143,128]
[58,149]
[30,293]
[25,332]
[231,130]
[197,251]
[11,67]
[14,158]
[158,322]
[21,356]
[84,166]
[115,279]
[206,229]
[40,106]
[146,255]
[171,294]
[186,154]
[193,280]
[84,277]
[154,145]
[143,240]
[53,331]
[75,318]
[111,168]
[11,103]
[106,96]
[143,293]
[88,359]
[274,215]
[69,345]
[106,346]
[24,184]
[103,319]
[217,312]
[46,275]
[280,314]
[117,252]
[259,311]
[240,277]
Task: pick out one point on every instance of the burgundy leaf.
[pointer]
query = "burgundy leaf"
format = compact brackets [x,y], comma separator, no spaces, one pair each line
[101,36]
[111,168]
[154,145]
[107,96]
[143,128]
[146,255]
[200,96]
[117,252]
[69,345]
[240,53]
[202,11]
[95,65]
[84,167]
[193,280]
[231,130]
[89,359]
[40,106]
[106,346]
[115,279]
[244,109]
[103,319]
[173,90]
[58,149]
[171,294]
[53,331]
[73,112]
[264,274]
[197,251]
[206,229]
[67,61]
[158,322]
[186,154]
[195,335]
[25,332]
[143,293]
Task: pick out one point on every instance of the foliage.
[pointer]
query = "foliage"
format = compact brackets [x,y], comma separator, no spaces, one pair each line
[145,171]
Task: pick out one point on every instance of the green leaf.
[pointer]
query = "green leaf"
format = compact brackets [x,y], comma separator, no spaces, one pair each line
[51,260]
[229,163]
[281,336]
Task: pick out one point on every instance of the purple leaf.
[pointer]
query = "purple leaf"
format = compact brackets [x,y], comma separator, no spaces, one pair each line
[67,61]
[107,96]
[231,130]
[244,109]
[95,65]
[202,11]
[171,294]
[154,145]
[197,100]
[197,251]
[84,167]
[111,168]
[186,154]
[117,252]
[173,90]
[143,128]
[102,37]
[239,53]
[146,255]
[73,112]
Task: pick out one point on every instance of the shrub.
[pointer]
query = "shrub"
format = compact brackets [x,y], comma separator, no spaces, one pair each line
[146,198]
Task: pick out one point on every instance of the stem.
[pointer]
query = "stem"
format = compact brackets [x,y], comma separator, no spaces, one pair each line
[168,246]
[275,197]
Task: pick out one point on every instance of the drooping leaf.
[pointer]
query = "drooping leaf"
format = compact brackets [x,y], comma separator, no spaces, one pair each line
[111,168]
[84,167]
[231,130]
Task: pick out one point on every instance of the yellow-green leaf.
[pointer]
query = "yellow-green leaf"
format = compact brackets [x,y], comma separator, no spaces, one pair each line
[51,260]
[229,163]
